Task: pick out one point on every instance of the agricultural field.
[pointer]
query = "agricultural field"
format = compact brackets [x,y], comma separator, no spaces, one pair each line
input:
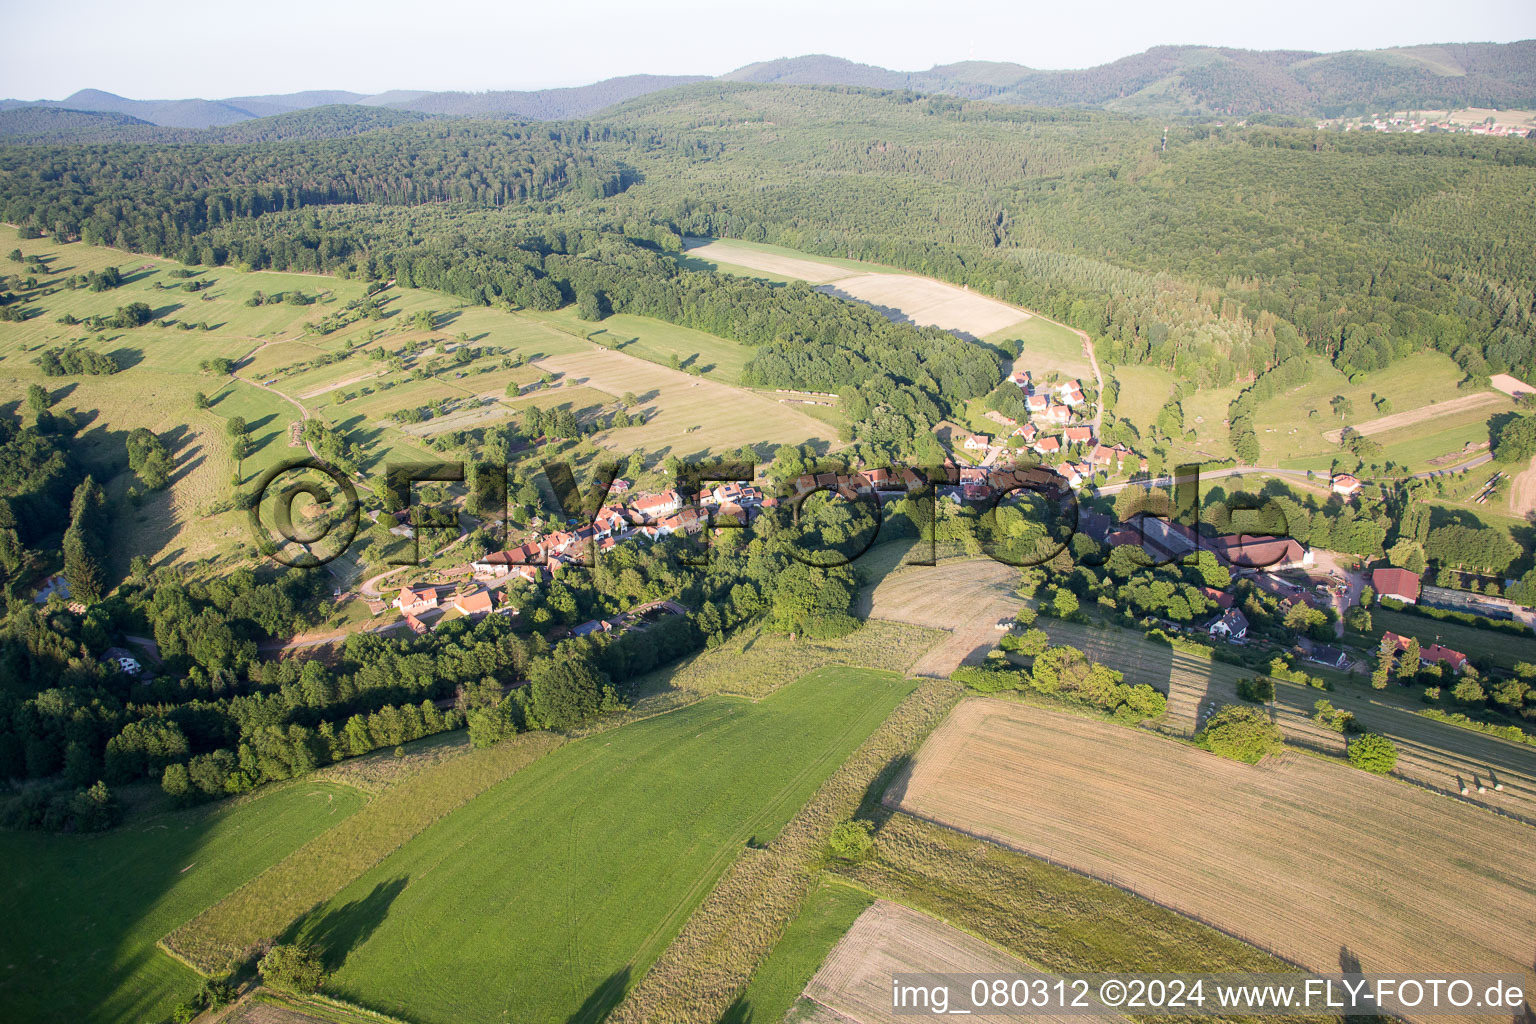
[1046,347]
[1299,429]
[730,255]
[1387,872]
[657,341]
[1433,754]
[925,302]
[902,297]
[889,939]
[685,415]
[96,905]
[825,916]
[599,851]
[965,598]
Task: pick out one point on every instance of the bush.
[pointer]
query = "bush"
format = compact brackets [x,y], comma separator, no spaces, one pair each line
[1256,691]
[851,841]
[1373,753]
[294,967]
[1242,734]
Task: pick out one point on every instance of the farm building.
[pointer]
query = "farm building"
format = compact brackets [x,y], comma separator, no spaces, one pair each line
[1434,654]
[1247,552]
[1398,584]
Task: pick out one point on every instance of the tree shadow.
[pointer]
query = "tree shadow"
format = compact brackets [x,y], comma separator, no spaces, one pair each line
[603,999]
[340,931]
[126,357]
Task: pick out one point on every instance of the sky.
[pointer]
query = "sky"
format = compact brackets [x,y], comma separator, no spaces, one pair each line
[163,49]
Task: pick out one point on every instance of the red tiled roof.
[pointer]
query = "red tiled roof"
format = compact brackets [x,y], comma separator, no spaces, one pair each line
[1396,581]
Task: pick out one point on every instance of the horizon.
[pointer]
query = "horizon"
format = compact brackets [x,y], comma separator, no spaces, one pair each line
[683,38]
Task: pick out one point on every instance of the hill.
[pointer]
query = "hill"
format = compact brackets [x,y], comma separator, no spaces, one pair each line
[40,124]
[1164,80]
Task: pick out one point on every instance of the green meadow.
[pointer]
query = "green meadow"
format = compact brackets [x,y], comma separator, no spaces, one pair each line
[585,864]
[96,905]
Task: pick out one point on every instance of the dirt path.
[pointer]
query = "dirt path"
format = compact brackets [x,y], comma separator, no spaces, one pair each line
[1522,496]
[1398,420]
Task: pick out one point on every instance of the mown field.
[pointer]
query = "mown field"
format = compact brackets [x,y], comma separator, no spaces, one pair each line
[827,914]
[84,912]
[594,855]
[888,939]
[1302,856]
[657,341]
[1430,753]
[965,598]
[1293,428]
[1048,348]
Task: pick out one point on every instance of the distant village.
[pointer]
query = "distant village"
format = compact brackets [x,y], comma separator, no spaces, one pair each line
[1416,125]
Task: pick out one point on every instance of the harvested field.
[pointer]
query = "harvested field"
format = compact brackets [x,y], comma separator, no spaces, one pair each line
[964,598]
[887,939]
[1429,753]
[1522,495]
[684,414]
[807,269]
[907,298]
[1298,855]
[1511,386]
[1398,420]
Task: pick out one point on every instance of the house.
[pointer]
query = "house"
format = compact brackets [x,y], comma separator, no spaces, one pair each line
[1102,455]
[655,506]
[619,487]
[416,625]
[481,602]
[1057,414]
[1037,403]
[1347,485]
[1398,584]
[1434,654]
[1221,597]
[121,660]
[414,602]
[1330,656]
[1247,552]
[1020,377]
[1078,435]
[1233,625]
[1070,393]
[978,442]
[1048,445]
[1028,432]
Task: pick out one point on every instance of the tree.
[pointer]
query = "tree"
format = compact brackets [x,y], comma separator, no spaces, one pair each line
[199,400]
[593,305]
[564,691]
[852,840]
[1517,441]
[1408,661]
[295,967]
[1373,753]
[37,399]
[1241,733]
[1342,407]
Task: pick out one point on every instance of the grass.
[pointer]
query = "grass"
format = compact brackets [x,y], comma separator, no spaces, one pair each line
[656,341]
[1291,426]
[265,906]
[1044,914]
[708,966]
[598,852]
[827,913]
[753,663]
[1048,347]
[84,912]
[1503,649]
